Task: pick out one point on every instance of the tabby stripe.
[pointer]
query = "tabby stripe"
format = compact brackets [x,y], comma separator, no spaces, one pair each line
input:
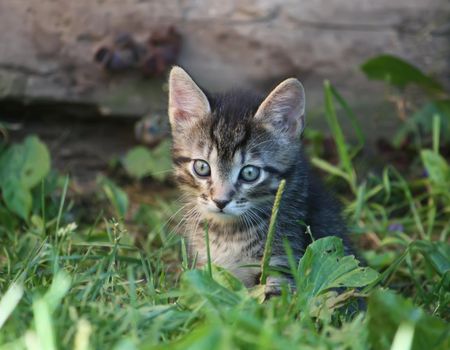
[181,160]
[243,154]
[272,170]
[210,148]
[281,173]
[186,178]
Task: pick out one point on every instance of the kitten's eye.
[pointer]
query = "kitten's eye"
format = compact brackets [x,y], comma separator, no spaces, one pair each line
[201,168]
[249,173]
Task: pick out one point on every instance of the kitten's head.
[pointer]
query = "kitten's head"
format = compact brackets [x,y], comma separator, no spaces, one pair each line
[231,151]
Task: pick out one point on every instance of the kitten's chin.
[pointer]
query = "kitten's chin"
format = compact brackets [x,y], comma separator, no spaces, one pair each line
[220,216]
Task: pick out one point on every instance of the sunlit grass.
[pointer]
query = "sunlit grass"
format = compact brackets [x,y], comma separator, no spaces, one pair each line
[123,281]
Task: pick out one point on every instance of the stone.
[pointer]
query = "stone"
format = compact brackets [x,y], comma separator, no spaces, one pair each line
[47,47]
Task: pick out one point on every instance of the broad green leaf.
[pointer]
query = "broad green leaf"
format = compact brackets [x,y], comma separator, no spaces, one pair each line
[198,283]
[437,168]
[28,162]
[387,311]
[324,266]
[17,198]
[36,163]
[380,260]
[437,254]
[226,279]
[140,161]
[162,160]
[399,73]
[22,167]
[9,222]
[117,197]
[197,286]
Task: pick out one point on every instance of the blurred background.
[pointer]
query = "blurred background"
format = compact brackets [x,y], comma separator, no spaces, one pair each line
[80,74]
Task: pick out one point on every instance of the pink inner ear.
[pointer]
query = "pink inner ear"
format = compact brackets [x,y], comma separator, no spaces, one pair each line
[186,104]
[181,114]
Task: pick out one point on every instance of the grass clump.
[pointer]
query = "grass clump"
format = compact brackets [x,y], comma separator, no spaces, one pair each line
[68,283]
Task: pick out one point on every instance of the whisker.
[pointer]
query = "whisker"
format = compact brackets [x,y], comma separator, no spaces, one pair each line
[187,216]
[172,217]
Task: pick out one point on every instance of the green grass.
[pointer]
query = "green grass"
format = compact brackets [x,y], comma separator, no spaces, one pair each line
[126,283]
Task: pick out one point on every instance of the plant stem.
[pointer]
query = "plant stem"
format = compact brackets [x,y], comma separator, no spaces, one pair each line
[208,251]
[271,233]
[436,132]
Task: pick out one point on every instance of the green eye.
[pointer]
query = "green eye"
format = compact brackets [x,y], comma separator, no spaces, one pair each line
[250,173]
[201,168]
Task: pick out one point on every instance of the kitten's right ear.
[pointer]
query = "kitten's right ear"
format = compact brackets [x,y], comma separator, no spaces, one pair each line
[186,100]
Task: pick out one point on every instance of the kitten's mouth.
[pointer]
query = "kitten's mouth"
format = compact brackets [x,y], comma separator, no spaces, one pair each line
[221,215]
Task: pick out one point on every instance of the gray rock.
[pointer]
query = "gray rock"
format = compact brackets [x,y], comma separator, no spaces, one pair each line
[46,47]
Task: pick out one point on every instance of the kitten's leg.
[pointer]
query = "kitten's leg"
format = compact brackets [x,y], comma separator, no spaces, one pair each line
[274,283]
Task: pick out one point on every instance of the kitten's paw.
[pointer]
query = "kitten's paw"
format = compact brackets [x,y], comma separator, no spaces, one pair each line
[273,286]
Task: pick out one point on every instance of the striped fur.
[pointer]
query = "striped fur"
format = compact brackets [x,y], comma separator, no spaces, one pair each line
[230,131]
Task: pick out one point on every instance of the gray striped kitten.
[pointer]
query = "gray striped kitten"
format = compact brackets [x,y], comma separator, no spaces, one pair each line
[230,152]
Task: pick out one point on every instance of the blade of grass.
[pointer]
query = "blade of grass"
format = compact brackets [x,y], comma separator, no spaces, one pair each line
[353,120]
[386,184]
[147,268]
[44,220]
[61,204]
[359,202]
[386,275]
[44,324]
[270,234]
[9,302]
[330,168]
[208,251]
[403,338]
[436,132]
[133,302]
[184,255]
[84,331]
[331,116]
[412,204]
[291,260]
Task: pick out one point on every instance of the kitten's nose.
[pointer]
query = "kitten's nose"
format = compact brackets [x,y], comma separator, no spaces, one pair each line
[221,203]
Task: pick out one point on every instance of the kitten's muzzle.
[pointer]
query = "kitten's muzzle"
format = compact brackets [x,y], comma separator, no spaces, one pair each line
[220,203]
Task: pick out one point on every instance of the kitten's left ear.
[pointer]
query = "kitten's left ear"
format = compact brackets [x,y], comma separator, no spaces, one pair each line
[284,109]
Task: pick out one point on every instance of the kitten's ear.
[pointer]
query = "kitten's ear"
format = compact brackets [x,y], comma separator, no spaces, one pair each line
[186,100]
[284,109]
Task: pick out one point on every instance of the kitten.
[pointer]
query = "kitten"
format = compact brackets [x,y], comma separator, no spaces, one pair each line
[230,152]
